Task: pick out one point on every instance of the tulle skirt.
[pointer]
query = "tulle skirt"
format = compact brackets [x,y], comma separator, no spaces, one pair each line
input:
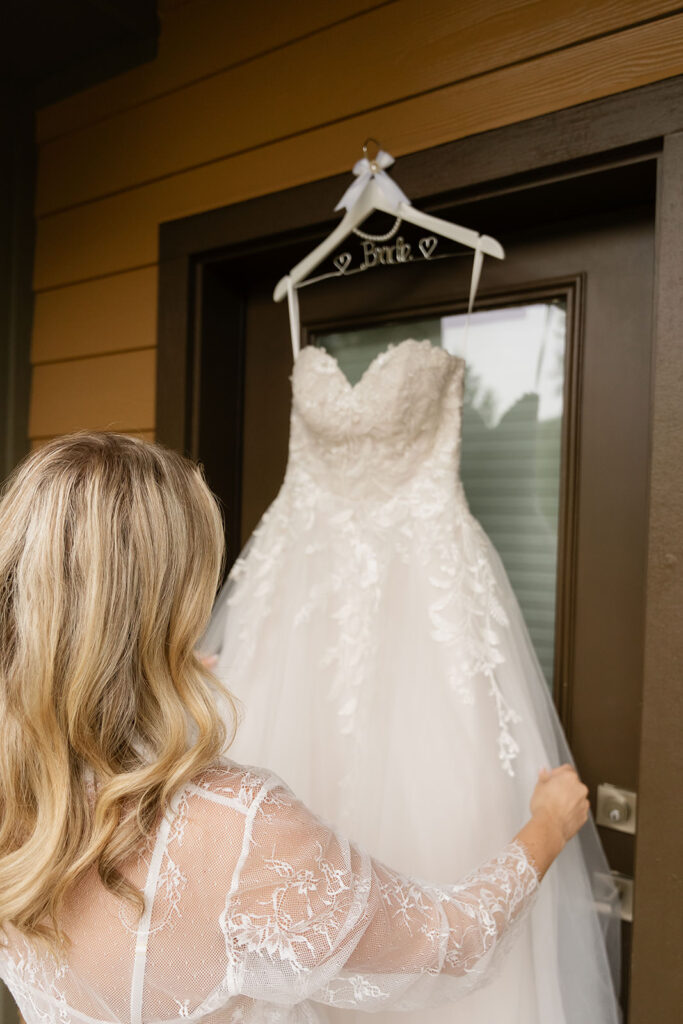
[346,679]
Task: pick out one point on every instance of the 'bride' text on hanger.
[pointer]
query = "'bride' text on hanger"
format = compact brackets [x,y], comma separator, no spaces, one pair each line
[375,255]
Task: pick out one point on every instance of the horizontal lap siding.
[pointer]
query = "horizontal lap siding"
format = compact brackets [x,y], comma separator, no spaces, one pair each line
[101,316]
[113,392]
[38,442]
[120,231]
[266,101]
[401,50]
[196,42]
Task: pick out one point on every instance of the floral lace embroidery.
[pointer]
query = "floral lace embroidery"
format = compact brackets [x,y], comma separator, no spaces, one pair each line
[32,977]
[275,931]
[239,787]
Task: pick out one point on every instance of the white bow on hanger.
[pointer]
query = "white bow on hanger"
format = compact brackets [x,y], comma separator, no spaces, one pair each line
[373,190]
[364,170]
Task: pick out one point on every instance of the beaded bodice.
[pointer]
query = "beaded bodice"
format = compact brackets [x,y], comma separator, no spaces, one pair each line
[400,423]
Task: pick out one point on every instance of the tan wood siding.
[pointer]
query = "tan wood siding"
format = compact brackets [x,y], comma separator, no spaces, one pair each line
[104,315]
[269,97]
[239,109]
[102,392]
[38,442]
[199,40]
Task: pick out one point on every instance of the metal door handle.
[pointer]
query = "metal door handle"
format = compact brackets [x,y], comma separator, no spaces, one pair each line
[624,884]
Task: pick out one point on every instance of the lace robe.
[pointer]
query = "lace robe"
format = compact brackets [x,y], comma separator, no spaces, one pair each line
[256,910]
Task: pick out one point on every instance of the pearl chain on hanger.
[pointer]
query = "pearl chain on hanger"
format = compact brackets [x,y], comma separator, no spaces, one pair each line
[379,238]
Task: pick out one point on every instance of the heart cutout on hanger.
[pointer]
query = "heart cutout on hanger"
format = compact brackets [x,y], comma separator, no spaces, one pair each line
[342,261]
[427,246]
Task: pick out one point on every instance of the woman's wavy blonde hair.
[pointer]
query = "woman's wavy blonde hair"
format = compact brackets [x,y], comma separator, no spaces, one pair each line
[111,550]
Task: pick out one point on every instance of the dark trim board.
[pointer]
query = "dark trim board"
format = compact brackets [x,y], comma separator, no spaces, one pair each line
[657,964]
[616,131]
[17,234]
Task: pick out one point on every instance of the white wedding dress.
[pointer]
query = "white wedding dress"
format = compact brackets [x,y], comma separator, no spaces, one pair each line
[371,633]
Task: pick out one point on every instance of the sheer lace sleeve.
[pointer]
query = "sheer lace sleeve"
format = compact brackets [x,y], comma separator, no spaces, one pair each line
[310,915]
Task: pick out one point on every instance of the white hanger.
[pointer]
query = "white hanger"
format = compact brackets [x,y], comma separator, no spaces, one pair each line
[375,190]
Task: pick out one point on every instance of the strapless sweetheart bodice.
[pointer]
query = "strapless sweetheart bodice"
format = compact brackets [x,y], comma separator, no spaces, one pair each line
[370,438]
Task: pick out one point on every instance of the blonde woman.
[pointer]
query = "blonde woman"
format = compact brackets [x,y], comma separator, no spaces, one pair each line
[144,875]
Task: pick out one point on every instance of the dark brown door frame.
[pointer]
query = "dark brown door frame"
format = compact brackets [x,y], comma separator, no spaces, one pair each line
[605,132]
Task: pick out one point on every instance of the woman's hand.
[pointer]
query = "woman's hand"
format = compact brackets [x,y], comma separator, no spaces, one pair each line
[559,807]
[208,660]
[563,798]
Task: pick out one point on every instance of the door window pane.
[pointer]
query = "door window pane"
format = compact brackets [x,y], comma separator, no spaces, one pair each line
[512,435]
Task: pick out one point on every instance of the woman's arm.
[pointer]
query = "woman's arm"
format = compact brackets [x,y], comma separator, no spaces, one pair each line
[310,915]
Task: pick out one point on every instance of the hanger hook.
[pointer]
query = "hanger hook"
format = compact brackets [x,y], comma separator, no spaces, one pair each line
[365,146]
